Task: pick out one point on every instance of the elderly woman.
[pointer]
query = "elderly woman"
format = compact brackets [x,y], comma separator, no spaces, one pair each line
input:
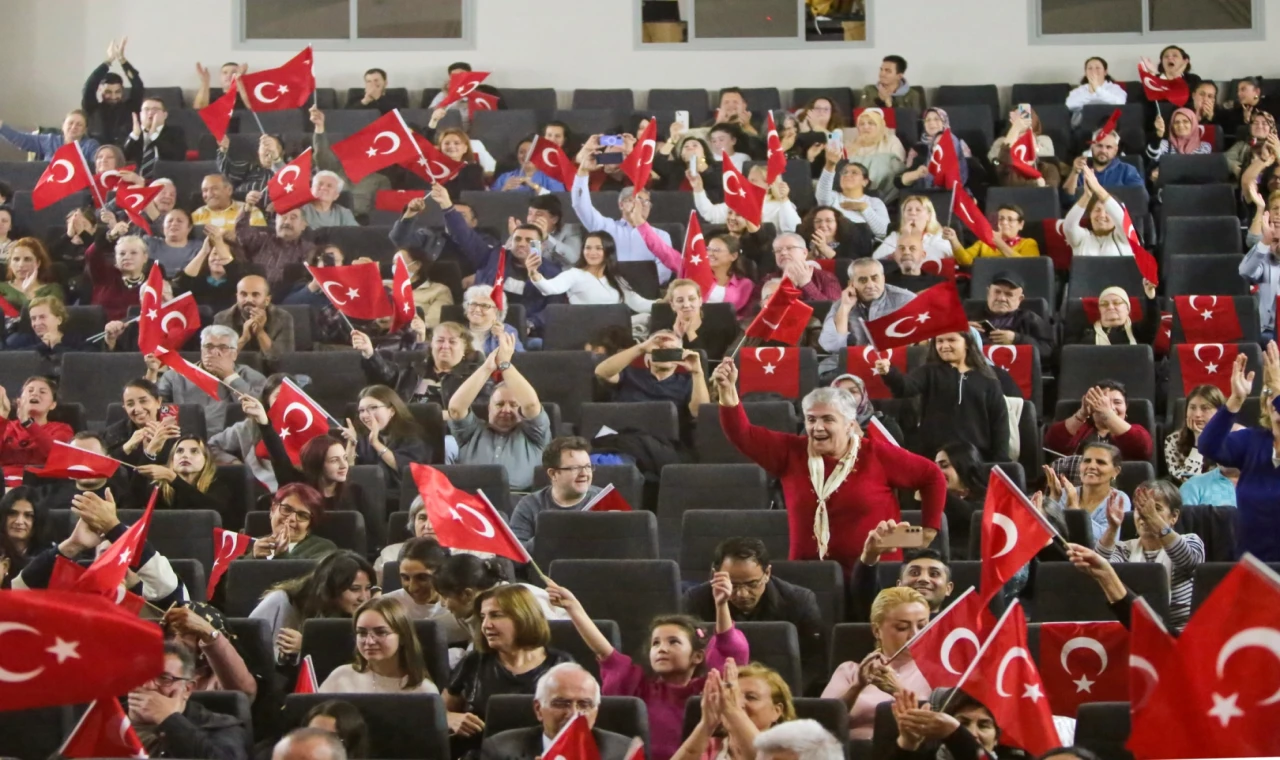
[876,147]
[1099,467]
[857,388]
[1115,325]
[837,484]
[738,706]
[1103,235]
[1181,457]
[1183,139]
[453,357]
[174,249]
[324,211]
[485,320]
[30,273]
[419,527]
[935,121]
[1157,505]
[918,213]
[295,511]
[852,199]
[1043,160]
[897,614]
[116,282]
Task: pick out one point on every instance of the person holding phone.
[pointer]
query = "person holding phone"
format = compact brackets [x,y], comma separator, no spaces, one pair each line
[1102,159]
[1003,321]
[1022,119]
[671,373]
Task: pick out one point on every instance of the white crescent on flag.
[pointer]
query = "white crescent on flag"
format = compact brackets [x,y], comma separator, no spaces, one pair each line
[257,92]
[71,171]
[332,297]
[395,142]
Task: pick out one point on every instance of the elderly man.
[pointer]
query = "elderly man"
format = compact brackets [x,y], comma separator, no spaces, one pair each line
[1101,417]
[219,210]
[109,112]
[280,255]
[867,297]
[831,510]
[219,348]
[631,246]
[170,725]
[562,692]
[518,427]
[1107,167]
[325,211]
[309,744]
[567,461]
[1014,325]
[364,192]
[798,740]
[153,140]
[659,380]
[251,176]
[791,256]
[263,327]
[44,146]
[908,258]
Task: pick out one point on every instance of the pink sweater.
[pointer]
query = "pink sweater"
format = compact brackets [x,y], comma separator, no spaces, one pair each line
[737,291]
[621,677]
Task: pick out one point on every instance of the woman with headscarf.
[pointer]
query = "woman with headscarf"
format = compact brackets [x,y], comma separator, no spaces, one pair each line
[219,666]
[857,388]
[1115,326]
[1183,138]
[1262,129]
[876,147]
[935,122]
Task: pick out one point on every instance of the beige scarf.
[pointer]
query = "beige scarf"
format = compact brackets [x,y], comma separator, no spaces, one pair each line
[824,489]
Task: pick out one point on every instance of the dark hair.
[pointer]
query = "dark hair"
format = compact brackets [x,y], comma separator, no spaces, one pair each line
[551,454]
[734,91]
[376,71]
[184,655]
[311,498]
[426,550]
[1112,385]
[316,594]
[113,78]
[835,122]
[312,457]
[272,385]
[1210,393]
[1015,208]
[230,63]
[698,638]
[349,726]
[1105,67]
[1117,458]
[741,263]
[844,227]
[731,129]
[972,354]
[550,204]
[89,435]
[926,553]
[613,339]
[966,461]
[146,386]
[18,558]
[157,99]
[743,549]
[898,61]
[6,192]
[459,66]
[402,426]
[1167,48]
[467,571]
[1077,752]
[1214,85]
[610,260]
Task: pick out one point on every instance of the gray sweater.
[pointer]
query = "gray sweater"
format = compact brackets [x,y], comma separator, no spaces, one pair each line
[893,299]
[524,520]
[179,390]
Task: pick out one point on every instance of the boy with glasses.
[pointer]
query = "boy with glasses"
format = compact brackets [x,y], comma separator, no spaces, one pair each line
[169,725]
[568,463]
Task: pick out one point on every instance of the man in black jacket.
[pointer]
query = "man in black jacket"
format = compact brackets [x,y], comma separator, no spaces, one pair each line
[758,596]
[103,99]
[153,140]
[562,692]
[170,725]
[1013,324]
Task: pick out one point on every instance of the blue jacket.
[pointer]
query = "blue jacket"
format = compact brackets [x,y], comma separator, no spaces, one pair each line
[484,257]
[44,146]
[1257,490]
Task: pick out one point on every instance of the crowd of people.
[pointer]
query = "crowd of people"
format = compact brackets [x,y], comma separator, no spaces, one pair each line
[448,388]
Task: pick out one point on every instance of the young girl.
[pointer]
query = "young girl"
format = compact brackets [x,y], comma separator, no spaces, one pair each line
[388,657]
[390,437]
[680,654]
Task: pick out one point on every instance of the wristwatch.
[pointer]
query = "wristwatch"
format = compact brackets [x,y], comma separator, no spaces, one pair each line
[504,366]
[1166,531]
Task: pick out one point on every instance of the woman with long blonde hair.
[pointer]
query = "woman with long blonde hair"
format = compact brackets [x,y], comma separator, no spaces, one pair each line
[876,147]
[190,478]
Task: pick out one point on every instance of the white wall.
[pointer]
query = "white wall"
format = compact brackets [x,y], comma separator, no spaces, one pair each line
[51,45]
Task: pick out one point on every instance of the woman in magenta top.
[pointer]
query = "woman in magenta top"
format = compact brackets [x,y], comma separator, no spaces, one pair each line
[732,285]
[680,655]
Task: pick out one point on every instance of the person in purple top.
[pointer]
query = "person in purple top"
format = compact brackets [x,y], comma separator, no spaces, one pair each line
[680,656]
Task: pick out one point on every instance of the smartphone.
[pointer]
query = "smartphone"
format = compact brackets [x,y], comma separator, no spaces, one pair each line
[904,537]
[611,141]
[1088,153]
[693,164]
[1025,110]
[535,247]
[666,354]
[987,327]
[609,158]
[837,137]
[168,412]
[683,118]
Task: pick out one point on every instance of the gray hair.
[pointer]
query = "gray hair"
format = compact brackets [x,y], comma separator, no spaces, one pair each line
[487,291]
[542,692]
[326,173]
[797,237]
[625,193]
[865,261]
[132,239]
[1166,492]
[414,510]
[300,735]
[219,331]
[806,738]
[184,655]
[840,398]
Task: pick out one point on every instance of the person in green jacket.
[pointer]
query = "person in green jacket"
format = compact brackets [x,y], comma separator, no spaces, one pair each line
[29,274]
[295,510]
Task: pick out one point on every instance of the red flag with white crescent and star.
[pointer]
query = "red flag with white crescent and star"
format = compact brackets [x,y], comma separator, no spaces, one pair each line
[1016,360]
[498,293]
[461,85]
[742,197]
[388,141]
[356,290]
[108,571]
[171,324]
[934,311]
[402,302]
[462,520]
[950,642]
[876,431]
[108,181]
[227,546]
[134,200]
[574,742]
[1157,88]
[73,462]
[860,361]
[280,89]
[783,318]
[149,297]
[1099,673]
[771,369]
[217,115]
[1022,155]
[968,212]
[608,500]
[551,160]
[1146,263]
[479,100]
[309,418]
[198,376]
[103,731]
[1154,660]
[1208,319]
[1206,364]
[777,156]
[290,187]
[432,165]
[694,263]
[68,174]
[638,165]
[1012,533]
[944,164]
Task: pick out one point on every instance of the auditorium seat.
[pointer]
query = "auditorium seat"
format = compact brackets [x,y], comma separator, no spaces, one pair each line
[613,100]
[1131,127]
[841,98]
[1037,203]
[950,96]
[1202,169]
[571,327]
[759,100]
[177,534]
[490,478]
[712,445]
[565,637]
[850,642]
[656,418]
[975,124]
[1209,274]
[655,590]
[22,175]
[1090,275]
[34,734]
[345,528]
[596,121]
[1081,367]
[25,215]
[693,101]
[1202,234]
[684,487]
[347,122]
[193,576]
[1210,353]
[231,703]
[336,376]
[776,644]
[502,131]
[1063,593]
[1103,728]
[1208,575]
[1038,95]
[401,726]
[702,530]
[20,365]
[272,122]
[642,276]
[247,580]
[1036,272]
[594,535]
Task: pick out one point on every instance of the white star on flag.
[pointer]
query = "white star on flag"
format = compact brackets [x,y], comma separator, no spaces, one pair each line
[422,161]
[282,89]
[152,314]
[288,188]
[125,556]
[1211,368]
[1207,314]
[769,368]
[1225,708]
[284,434]
[407,308]
[695,260]
[371,152]
[1084,684]
[923,318]
[353,293]
[64,650]
[1032,692]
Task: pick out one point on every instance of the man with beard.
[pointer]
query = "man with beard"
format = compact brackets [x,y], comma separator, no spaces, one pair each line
[264,328]
[922,569]
[567,461]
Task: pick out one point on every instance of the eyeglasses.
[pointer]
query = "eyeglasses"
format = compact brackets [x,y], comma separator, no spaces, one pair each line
[749,585]
[165,680]
[782,248]
[288,511]
[575,469]
[481,306]
[373,633]
[580,705]
[216,349]
[371,408]
[643,201]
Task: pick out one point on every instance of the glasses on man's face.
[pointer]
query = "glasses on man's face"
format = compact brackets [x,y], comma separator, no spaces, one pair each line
[576,468]
[215,348]
[164,680]
[643,201]
[373,633]
[748,585]
[577,705]
[782,248]
[370,409]
[287,511]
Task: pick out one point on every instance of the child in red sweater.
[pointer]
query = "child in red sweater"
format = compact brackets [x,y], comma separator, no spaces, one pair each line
[27,439]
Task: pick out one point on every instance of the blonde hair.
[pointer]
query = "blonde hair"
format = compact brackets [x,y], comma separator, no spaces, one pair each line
[779,691]
[519,604]
[207,473]
[409,654]
[880,142]
[470,156]
[889,598]
[932,227]
[683,282]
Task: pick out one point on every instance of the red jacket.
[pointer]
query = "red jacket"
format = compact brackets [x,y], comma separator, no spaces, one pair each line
[1134,445]
[864,499]
[109,290]
[30,445]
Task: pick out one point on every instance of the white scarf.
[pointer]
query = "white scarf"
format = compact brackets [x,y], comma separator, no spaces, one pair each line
[824,489]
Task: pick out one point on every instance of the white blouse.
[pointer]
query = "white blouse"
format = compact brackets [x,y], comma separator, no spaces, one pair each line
[1085,243]
[345,680]
[582,287]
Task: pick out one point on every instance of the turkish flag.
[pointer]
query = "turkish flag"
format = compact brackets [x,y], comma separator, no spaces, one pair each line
[66,648]
[742,197]
[480,529]
[946,647]
[66,575]
[9,310]
[432,165]
[695,264]
[1012,533]
[876,431]
[890,115]
[290,187]
[1141,256]
[279,89]
[1207,364]
[170,325]
[1022,155]
[307,682]
[550,159]
[944,164]
[68,174]
[967,210]
[1157,88]
[461,85]
[402,302]
[934,311]
[941,267]
[103,731]
[386,142]
[480,100]
[67,461]
[149,296]
[1109,125]
[497,293]
[783,318]
[228,546]
[638,165]
[1098,673]
[108,182]
[134,200]
[861,361]
[777,157]
[1003,677]
[1216,322]
[309,418]
[200,377]
[1091,313]
[1164,337]
[608,500]
[574,742]
[1016,360]
[1209,133]
[107,572]
[760,371]
[217,115]
[1154,661]
[1056,246]
[354,289]
[394,200]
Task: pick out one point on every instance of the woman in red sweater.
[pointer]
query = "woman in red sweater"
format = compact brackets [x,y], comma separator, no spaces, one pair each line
[116,273]
[27,439]
[838,484]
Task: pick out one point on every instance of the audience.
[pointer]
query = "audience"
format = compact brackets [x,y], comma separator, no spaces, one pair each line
[324,211]
[891,89]
[45,145]
[876,147]
[376,95]
[219,349]
[635,207]
[341,722]
[1182,459]
[1248,105]
[1102,158]
[296,510]
[851,200]
[567,461]
[908,260]
[1005,319]
[595,278]
[263,327]
[1101,417]
[1096,87]
[1183,140]
[735,709]
[1115,324]
[1099,466]
[279,254]
[935,122]
[798,740]
[918,214]
[203,630]
[1101,233]
[679,381]
[791,256]
[339,584]
[387,436]
[867,297]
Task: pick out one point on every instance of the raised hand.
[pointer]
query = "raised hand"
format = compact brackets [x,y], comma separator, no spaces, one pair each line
[1159,124]
[253,410]
[1115,510]
[1241,383]
[360,342]
[721,588]
[415,207]
[725,375]
[203,74]
[440,194]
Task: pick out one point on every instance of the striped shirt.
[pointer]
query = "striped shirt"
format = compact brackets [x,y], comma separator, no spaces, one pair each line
[1185,553]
